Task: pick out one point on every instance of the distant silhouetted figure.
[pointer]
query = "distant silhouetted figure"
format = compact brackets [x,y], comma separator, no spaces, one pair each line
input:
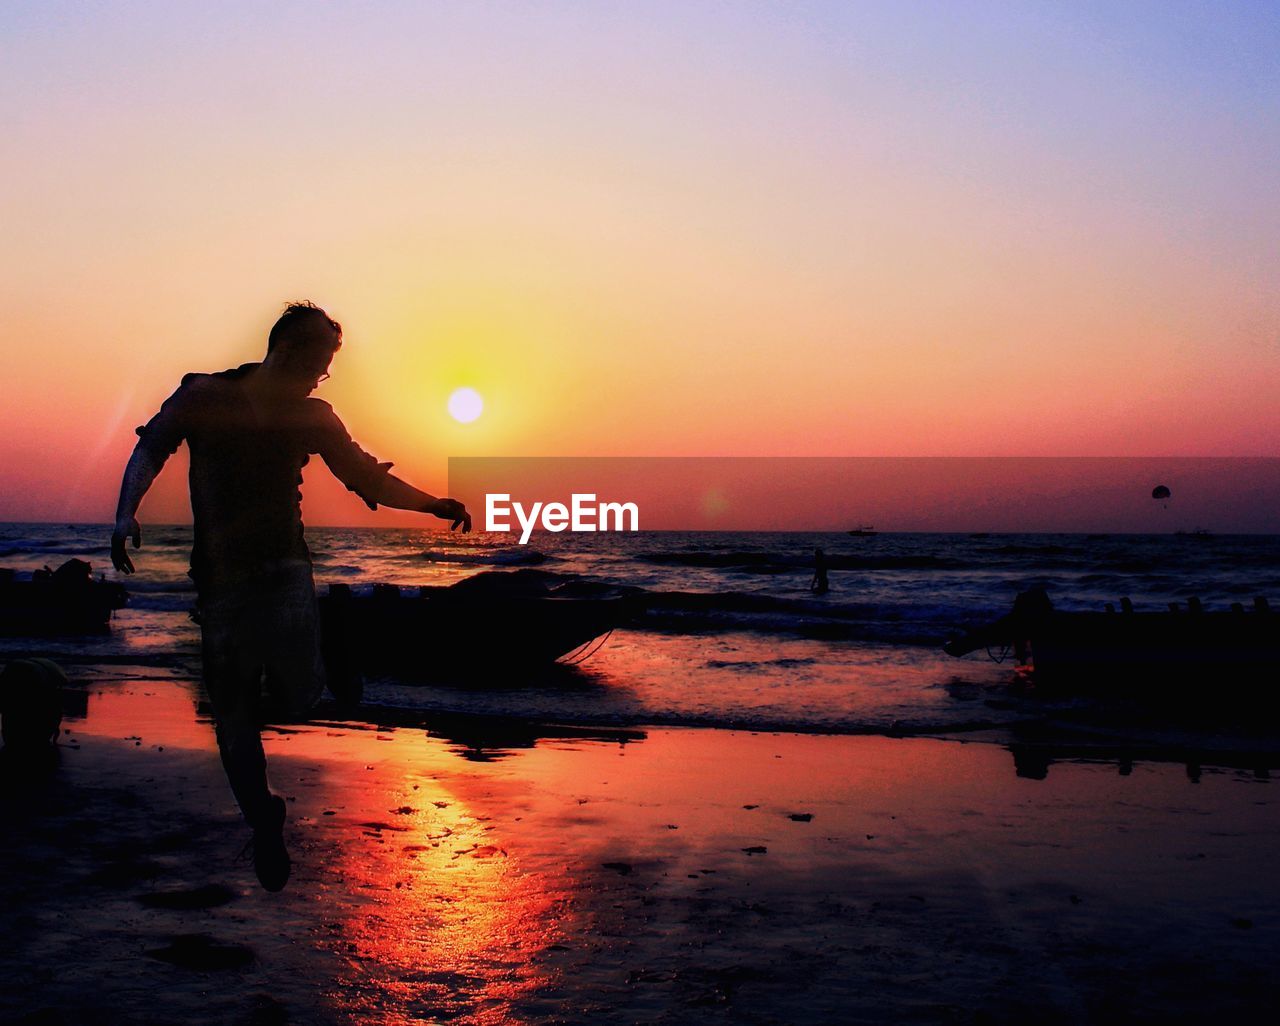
[819,585]
[250,431]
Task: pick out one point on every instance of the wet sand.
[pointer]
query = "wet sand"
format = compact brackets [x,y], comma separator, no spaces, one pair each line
[472,874]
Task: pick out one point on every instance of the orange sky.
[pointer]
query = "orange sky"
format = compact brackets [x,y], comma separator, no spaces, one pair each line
[784,230]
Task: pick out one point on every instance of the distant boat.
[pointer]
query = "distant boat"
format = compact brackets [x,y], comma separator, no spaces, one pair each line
[1197,532]
[862,531]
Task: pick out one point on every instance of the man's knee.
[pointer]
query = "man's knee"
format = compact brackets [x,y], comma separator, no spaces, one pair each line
[238,735]
[291,695]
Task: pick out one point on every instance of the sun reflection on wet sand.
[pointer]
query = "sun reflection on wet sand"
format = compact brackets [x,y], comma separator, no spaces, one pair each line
[438,913]
[150,714]
[423,900]
[695,875]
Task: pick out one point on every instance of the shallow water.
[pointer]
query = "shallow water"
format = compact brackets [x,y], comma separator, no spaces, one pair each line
[752,647]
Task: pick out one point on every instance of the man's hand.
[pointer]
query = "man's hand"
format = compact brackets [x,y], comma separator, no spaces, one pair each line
[452,510]
[127,527]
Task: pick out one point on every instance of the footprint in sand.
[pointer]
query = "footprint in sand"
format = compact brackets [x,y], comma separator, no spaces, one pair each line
[208,896]
[203,953]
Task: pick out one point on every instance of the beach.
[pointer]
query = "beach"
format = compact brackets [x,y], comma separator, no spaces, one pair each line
[486,870]
[731,513]
[749,805]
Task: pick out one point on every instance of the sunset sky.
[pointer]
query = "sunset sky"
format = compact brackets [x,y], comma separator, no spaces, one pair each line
[803,229]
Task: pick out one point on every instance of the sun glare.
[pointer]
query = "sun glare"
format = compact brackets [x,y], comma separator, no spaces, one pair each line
[465,405]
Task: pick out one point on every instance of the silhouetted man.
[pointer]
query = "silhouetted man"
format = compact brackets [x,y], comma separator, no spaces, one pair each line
[250,431]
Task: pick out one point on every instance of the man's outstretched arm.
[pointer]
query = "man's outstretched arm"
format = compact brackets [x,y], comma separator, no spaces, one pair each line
[391,491]
[142,469]
[373,481]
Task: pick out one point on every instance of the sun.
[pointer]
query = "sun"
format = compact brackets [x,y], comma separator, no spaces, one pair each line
[465,405]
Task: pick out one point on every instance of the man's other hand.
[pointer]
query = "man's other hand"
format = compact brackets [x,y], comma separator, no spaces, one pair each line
[127,527]
[455,512]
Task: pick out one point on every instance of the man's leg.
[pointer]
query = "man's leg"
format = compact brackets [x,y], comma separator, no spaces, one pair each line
[232,656]
[272,625]
[288,617]
[294,664]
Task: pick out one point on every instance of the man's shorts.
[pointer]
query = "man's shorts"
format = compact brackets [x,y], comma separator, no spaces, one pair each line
[266,629]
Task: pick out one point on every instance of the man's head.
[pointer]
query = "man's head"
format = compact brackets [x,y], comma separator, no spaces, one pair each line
[301,346]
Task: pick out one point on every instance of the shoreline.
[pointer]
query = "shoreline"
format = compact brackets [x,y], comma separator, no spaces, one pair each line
[1059,725]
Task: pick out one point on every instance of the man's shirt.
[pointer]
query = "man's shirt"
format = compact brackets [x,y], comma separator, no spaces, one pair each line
[246,469]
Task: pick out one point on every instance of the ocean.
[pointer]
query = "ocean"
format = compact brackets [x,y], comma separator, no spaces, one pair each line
[734,638]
